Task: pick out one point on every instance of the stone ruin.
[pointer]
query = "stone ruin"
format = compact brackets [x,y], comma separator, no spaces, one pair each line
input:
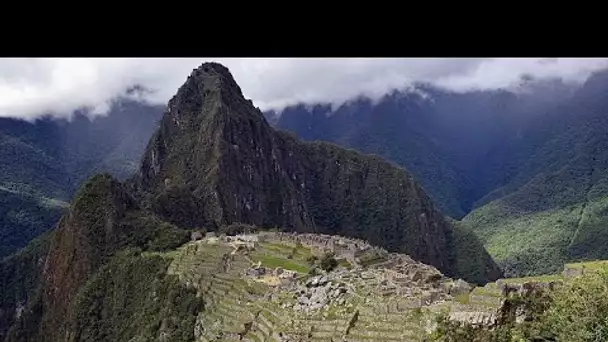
[525,288]
[195,236]
[240,242]
[250,238]
[392,284]
[576,270]
[570,272]
[273,277]
[318,293]
[403,276]
[344,248]
[391,274]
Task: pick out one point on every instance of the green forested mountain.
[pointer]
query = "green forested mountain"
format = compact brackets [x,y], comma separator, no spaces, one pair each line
[524,169]
[44,161]
[451,142]
[554,208]
[214,161]
[523,175]
[88,276]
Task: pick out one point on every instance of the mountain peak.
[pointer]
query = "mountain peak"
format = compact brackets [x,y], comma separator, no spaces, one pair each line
[215,75]
[207,110]
[213,68]
[210,82]
[216,161]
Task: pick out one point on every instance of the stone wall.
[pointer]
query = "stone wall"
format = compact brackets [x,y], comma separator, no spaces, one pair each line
[570,272]
[525,288]
[344,248]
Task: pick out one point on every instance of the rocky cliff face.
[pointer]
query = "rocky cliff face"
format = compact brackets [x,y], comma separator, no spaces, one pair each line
[215,160]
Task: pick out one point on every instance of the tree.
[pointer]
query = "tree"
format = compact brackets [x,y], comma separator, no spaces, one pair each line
[328,262]
[312,260]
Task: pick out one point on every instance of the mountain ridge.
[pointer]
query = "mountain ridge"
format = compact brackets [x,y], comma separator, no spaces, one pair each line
[215,155]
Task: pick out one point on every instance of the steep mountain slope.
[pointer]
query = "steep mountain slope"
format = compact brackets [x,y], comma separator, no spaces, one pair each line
[215,160]
[44,161]
[554,209]
[23,217]
[90,252]
[380,129]
[449,141]
[20,284]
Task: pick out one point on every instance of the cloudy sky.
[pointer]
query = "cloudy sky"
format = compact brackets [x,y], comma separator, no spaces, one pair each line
[33,87]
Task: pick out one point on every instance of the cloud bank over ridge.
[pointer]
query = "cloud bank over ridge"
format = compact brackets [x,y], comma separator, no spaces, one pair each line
[58,86]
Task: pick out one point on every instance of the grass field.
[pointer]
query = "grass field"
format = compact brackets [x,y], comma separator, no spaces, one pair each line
[271,261]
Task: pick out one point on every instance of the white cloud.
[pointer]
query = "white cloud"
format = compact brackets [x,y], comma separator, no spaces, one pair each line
[33,87]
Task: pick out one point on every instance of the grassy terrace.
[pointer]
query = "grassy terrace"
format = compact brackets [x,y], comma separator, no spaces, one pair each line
[271,261]
[235,304]
[286,256]
[297,251]
[539,278]
[592,265]
[492,290]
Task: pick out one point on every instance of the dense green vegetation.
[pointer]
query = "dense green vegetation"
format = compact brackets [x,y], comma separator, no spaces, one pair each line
[107,218]
[574,312]
[86,253]
[471,260]
[24,217]
[133,299]
[556,209]
[328,262]
[530,244]
[20,276]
